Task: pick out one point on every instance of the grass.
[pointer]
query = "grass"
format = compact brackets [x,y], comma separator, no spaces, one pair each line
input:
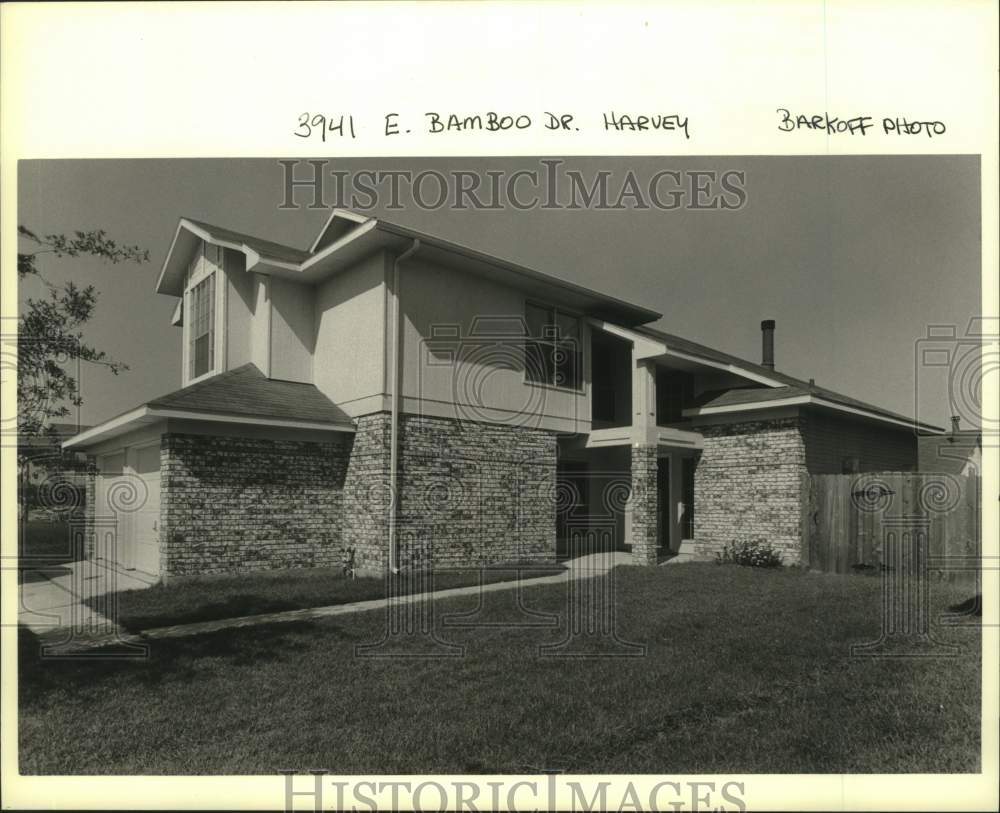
[744,670]
[269,592]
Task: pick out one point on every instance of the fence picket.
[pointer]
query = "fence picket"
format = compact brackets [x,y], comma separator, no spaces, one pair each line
[845,531]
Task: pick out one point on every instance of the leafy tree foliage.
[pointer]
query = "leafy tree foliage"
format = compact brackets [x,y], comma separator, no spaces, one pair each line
[50,330]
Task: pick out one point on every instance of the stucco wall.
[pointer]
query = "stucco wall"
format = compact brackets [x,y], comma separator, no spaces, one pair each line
[350,326]
[463,345]
[293,333]
[260,326]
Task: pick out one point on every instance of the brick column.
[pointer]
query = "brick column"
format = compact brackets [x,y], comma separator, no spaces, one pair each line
[644,505]
[85,518]
[749,486]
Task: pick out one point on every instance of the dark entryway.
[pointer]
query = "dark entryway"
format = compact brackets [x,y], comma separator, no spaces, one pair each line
[663,502]
[573,497]
[688,465]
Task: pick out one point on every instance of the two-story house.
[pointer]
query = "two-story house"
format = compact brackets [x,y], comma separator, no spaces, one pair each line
[423,403]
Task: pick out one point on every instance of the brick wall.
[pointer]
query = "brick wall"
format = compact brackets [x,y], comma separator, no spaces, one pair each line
[878,447]
[748,485]
[750,478]
[366,493]
[235,503]
[469,493]
[644,505]
[86,519]
[475,493]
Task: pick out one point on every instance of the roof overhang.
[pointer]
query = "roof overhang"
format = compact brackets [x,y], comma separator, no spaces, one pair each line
[805,401]
[340,222]
[649,348]
[186,240]
[188,237]
[347,238]
[145,415]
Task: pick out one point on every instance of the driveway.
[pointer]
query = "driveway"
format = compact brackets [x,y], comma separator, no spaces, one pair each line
[53,596]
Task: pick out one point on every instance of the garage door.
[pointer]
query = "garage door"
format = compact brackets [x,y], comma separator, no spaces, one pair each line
[111,473]
[134,506]
[145,464]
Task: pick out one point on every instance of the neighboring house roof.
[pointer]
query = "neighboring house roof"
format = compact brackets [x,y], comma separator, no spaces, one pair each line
[955,453]
[347,238]
[241,396]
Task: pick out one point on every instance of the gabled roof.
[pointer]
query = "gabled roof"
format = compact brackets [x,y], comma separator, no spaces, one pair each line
[339,223]
[189,235]
[266,248]
[347,238]
[241,396]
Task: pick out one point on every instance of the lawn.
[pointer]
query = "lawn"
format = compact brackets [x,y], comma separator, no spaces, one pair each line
[269,592]
[743,671]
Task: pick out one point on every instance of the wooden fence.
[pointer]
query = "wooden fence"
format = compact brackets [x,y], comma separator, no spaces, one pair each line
[851,516]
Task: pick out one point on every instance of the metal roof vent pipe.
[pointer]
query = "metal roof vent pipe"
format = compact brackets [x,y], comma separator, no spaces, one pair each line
[767,343]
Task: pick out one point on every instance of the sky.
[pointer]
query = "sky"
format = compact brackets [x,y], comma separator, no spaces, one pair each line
[853,257]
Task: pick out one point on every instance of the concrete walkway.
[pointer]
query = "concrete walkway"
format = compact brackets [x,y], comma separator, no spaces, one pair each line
[54,597]
[90,630]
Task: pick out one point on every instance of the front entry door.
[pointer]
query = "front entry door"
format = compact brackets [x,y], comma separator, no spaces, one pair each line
[663,502]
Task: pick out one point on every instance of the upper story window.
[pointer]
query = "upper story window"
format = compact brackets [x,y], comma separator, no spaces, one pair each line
[201,309]
[553,350]
[201,351]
